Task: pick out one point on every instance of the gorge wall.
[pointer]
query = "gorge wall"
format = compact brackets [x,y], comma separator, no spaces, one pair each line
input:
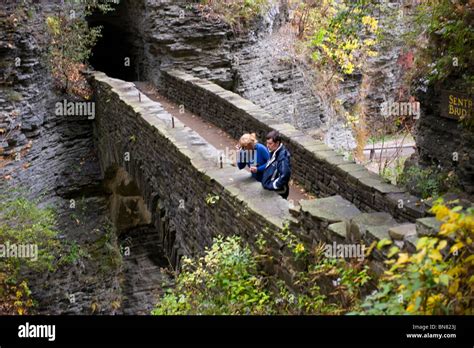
[179,35]
[446,143]
[256,63]
[51,159]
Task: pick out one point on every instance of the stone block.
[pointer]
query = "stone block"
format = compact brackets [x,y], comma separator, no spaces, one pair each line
[331,209]
[399,232]
[428,226]
[338,231]
[410,241]
[359,224]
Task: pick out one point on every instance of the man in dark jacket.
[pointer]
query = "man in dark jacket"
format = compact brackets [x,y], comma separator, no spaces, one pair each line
[276,175]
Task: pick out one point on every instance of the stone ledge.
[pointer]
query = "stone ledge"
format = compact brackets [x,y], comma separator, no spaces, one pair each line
[399,232]
[428,226]
[357,227]
[338,231]
[331,209]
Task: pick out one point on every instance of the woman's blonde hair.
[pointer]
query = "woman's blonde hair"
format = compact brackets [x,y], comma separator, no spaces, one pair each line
[248,139]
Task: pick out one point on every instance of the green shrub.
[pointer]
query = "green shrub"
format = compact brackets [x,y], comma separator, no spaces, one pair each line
[428,182]
[437,278]
[229,279]
[23,223]
[449,50]
[224,281]
[237,13]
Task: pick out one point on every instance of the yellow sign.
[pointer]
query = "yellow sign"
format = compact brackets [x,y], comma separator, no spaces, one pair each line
[456,106]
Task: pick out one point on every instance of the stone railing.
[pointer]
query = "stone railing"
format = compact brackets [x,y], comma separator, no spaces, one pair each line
[176,172]
[315,166]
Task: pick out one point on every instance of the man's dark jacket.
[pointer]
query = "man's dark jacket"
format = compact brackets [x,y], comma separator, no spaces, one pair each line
[278,171]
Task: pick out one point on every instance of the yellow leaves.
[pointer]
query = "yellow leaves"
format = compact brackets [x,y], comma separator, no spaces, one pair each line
[468,223]
[393,250]
[299,248]
[348,68]
[369,42]
[354,119]
[383,242]
[441,245]
[418,257]
[402,258]
[421,243]
[54,25]
[368,250]
[371,23]
[455,271]
[411,308]
[453,288]
[116,304]
[456,247]
[469,259]
[444,279]
[350,45]
[433,301]
[431,273]
[435,255]
[441,211]
[338,38]
[453,216]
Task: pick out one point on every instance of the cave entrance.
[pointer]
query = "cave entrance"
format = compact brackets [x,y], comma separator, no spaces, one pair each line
[116,52]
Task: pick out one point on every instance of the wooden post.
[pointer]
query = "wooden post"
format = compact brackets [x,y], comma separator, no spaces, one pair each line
[372,154]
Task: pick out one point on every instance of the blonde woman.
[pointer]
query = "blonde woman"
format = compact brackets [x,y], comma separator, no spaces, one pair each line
[252,154]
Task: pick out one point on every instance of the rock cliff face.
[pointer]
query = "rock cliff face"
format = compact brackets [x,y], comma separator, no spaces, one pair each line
[256,64]
[444,142]
[183,37]
[52,159]
[24,82]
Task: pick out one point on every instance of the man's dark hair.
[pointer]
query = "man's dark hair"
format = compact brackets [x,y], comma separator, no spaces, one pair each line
[275,136]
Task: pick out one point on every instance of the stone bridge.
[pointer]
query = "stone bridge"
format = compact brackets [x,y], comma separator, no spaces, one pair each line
[159,171]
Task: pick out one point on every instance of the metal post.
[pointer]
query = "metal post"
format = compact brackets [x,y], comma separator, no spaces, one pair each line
[172,121]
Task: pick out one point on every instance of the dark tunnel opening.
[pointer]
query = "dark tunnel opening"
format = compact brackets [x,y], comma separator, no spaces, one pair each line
[115,53]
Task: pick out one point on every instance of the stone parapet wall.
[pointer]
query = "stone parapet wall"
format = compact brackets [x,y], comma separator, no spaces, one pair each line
[318,168]
[175,171]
